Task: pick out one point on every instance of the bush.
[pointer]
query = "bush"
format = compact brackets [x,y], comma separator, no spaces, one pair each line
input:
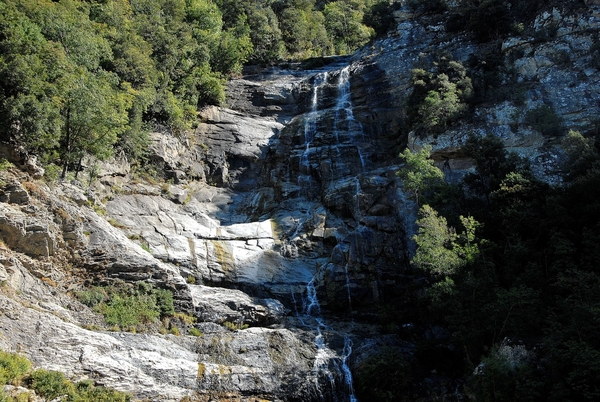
[126,308]
[545,120]
[92,297]
[195,332]
[12,367]
[86,391]
[439,96]
[50,384]
[385,376]
[130,310]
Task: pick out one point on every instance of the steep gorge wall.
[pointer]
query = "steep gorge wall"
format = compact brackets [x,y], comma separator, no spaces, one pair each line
[292,186]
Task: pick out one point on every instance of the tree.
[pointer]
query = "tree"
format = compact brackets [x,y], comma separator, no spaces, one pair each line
[28,70]
[343,20]
[581,155]
[440,96]
[419,173]
[492,163]
[436,252]
[94,112]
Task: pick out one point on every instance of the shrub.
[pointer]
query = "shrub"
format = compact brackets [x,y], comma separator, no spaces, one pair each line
[164,301]
[93,296]
[195,332]
[51,172]
[385,376]
[50,384]
[234,326]
[545,120]
[4,164]
[128,308]
[439,96]
[12,367]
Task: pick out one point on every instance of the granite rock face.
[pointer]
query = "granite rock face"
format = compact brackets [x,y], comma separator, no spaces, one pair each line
[274,214]
[560,72]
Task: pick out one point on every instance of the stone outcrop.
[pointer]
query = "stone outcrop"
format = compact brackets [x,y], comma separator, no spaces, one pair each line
[559,71]
[275,213]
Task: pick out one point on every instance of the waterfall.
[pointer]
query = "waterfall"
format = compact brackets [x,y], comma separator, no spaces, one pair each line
[345,116]
[310,129]
[348,287]
[312,309]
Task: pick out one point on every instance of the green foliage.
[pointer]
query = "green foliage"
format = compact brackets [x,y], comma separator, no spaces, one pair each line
[15,369]
[581,155]
[128,308]
[234,326]
[506,375]
[343,20]
[12,367]
[93,296]
[419,175]
[545,120]
[492,163]
[50,384]
[439,97]
[440,250]
[195,332]
[86,391]
[4,165]
[79,78]
[435,240]
[384,376]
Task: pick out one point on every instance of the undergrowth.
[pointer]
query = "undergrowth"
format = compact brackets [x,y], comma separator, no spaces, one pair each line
[16,370]
[125,307]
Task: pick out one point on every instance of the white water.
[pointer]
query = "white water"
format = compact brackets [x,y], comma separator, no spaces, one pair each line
[310,129]
[324,355]
[348,287]
[345,115]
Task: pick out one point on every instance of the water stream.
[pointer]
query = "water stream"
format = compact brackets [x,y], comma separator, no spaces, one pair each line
[310,129]
[312,313]
[333,378]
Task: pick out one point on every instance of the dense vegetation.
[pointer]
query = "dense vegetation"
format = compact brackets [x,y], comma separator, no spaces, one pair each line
[83,77]
[512,281]
[16,370]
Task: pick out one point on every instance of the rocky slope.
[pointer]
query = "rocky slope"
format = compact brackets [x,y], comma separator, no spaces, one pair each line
[280,214]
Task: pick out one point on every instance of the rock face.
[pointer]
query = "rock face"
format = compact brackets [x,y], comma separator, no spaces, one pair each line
[276,213]
[560,71]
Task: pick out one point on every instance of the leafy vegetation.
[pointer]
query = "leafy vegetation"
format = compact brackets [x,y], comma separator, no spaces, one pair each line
[16,369]
[129,307]
[439,96]
[516,288]
[82,78]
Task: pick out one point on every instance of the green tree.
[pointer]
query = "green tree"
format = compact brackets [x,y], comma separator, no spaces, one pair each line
[436,252]
[492,163]
[419,173]
[94,112]
[29,67]
[343,20]
[439,97]
[265,34]
[581,155]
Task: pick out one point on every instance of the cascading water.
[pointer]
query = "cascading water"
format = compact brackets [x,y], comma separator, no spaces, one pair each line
[310,129]
[312,310]
[344,116]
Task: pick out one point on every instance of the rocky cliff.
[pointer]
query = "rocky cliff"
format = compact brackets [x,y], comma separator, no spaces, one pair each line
[277,215]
